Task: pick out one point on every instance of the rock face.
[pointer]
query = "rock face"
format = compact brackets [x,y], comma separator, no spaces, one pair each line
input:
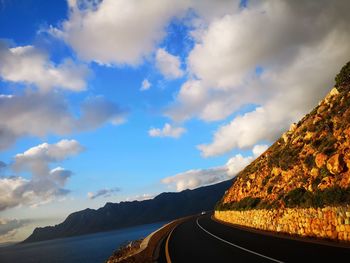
[309,159]
[305,173]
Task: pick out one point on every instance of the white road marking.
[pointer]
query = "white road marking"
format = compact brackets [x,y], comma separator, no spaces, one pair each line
[237,246]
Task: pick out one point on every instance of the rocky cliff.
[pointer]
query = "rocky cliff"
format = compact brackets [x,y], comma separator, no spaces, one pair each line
[301,184]
[308,166]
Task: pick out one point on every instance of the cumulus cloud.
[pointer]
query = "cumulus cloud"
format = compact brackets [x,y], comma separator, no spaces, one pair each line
[200,177]
[103,192]
[140,197]
[167,131]
[97,110]
[118,31]
[259,149]
[28,65]
[299,51]
[45,183]
[40,114]
[236,163]
[145,85]
[38,157]
[169,65]
[244,131]
[195,178]
[9,227]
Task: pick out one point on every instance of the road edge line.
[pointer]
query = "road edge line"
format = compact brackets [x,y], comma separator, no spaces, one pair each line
[237,246]
[167,254]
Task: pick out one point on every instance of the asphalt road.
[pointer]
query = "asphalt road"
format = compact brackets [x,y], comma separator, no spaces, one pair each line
[204,240]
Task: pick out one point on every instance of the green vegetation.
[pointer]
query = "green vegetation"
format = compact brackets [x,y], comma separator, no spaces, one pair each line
[343,76]
[324,172]
[244,204]
[310,161]
[299,197]
[326,144]
[316,181]
[269,189]
[285,157]
[266,180]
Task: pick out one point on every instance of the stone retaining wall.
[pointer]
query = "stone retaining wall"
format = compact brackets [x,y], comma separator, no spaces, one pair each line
[328,222]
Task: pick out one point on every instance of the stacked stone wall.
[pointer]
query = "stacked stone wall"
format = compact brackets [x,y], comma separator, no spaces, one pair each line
[328,222]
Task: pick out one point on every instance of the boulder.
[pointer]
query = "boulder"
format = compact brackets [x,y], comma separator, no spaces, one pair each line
[335,164]
[326,182]
[347,158]
[320,159]
[314,172]
[308,136]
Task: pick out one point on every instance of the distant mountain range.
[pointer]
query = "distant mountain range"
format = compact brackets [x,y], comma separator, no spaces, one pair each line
[165,206]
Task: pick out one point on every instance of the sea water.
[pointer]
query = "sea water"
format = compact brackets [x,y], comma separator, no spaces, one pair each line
[85,249]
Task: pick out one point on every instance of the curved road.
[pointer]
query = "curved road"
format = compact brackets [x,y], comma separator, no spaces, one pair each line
[202,239]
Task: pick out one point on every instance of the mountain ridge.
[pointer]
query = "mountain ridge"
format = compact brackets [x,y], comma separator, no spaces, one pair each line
[164,207]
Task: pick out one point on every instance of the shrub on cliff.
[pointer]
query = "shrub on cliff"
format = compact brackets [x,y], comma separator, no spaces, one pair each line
[300,197]
[343,76]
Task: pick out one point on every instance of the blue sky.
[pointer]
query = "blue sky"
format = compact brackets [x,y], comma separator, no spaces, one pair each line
[121,100]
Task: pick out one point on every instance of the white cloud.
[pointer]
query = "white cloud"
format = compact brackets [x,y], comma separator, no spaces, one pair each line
[167,131]
[8,186]
[299,64]
[117,31]
[45,184]
[97,110]
[243,132]
[106,192]
[28,65]
[259,149]
[195,178]
[9,228]
[235,164]
[145,85]
[49,152]
[140,197]
[200,177]
[169,65]
[209,10]
[38,114]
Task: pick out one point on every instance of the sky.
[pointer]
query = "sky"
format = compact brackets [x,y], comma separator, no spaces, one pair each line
[115,100]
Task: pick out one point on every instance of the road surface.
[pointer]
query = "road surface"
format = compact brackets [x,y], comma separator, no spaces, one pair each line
[202,239]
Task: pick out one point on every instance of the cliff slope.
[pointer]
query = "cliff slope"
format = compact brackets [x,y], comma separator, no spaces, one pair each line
[308,166]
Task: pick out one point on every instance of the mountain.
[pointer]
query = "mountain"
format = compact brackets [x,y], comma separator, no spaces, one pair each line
[164,207]
[307,167]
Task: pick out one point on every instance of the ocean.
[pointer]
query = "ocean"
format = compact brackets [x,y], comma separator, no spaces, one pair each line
[85,249]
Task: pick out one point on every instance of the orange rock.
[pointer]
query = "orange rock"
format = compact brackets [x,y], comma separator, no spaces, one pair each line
[321,109]
[347,158]
[317,119]
[287,175]
[275,171]
[347,133]
[320,159]
[314,172]
[345,179]
[335,164]
[326,182]
[308,136]
[252,176]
